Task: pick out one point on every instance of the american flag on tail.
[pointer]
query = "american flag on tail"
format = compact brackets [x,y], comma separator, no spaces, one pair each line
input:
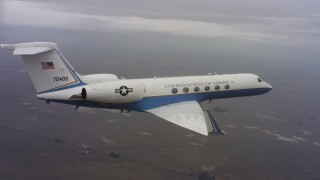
[47,65]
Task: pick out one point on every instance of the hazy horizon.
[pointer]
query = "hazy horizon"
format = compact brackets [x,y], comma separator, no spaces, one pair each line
[273,136]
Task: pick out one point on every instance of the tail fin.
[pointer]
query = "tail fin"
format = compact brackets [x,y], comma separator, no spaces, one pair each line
[48,69]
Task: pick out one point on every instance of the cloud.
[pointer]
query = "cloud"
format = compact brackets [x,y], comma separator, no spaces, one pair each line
[47,111]
[230,126]
[109,121]
[305,132]
[316,143]
[267,132]
[299,138]
[107,141]
[86,110]
[32,118]
[268,117]
[112,110]
[33,108]
[195,144]
[190,135]
[180,27]
[281,137]
[145,133]
[265,29]
[251,127]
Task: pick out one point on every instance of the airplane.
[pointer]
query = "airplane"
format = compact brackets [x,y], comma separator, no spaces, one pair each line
[175,99]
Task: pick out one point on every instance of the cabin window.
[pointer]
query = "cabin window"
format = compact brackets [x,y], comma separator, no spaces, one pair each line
[196,89]
[259,80]
[217,87]
[227,86]
[207,88]
[185,90]
[174,90]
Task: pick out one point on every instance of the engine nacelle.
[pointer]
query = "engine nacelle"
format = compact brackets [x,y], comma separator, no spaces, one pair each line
[123,91]
[98,78]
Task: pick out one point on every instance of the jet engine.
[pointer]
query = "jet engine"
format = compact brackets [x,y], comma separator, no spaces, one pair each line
[124,91]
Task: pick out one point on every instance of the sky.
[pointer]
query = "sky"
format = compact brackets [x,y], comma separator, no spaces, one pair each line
[275,135]
[290,22]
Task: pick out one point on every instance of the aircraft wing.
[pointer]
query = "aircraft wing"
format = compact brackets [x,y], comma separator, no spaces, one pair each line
[188,114]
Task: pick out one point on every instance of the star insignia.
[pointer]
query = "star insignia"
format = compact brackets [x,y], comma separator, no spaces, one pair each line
[123,90]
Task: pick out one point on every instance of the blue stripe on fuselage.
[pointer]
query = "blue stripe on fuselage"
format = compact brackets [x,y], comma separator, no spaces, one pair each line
[158,101]
[65,87]
[153,102]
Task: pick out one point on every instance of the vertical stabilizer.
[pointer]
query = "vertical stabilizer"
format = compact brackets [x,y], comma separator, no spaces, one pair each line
[48,69]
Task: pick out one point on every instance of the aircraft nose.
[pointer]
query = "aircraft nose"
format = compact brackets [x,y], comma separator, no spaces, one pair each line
[269,87]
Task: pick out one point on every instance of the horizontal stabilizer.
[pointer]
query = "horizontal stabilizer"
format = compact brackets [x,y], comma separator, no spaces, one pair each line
[30,51]
[29,48]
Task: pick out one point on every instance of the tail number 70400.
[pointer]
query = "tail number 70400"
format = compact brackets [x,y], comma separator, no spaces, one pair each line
[56,79]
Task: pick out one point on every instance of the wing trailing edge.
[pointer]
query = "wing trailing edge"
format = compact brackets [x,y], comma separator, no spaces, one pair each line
[188,114]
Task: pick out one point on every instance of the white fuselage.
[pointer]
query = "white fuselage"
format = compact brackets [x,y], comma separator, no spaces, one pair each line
[144,92]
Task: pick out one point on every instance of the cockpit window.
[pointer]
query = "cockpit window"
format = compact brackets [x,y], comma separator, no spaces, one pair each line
[259,80]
